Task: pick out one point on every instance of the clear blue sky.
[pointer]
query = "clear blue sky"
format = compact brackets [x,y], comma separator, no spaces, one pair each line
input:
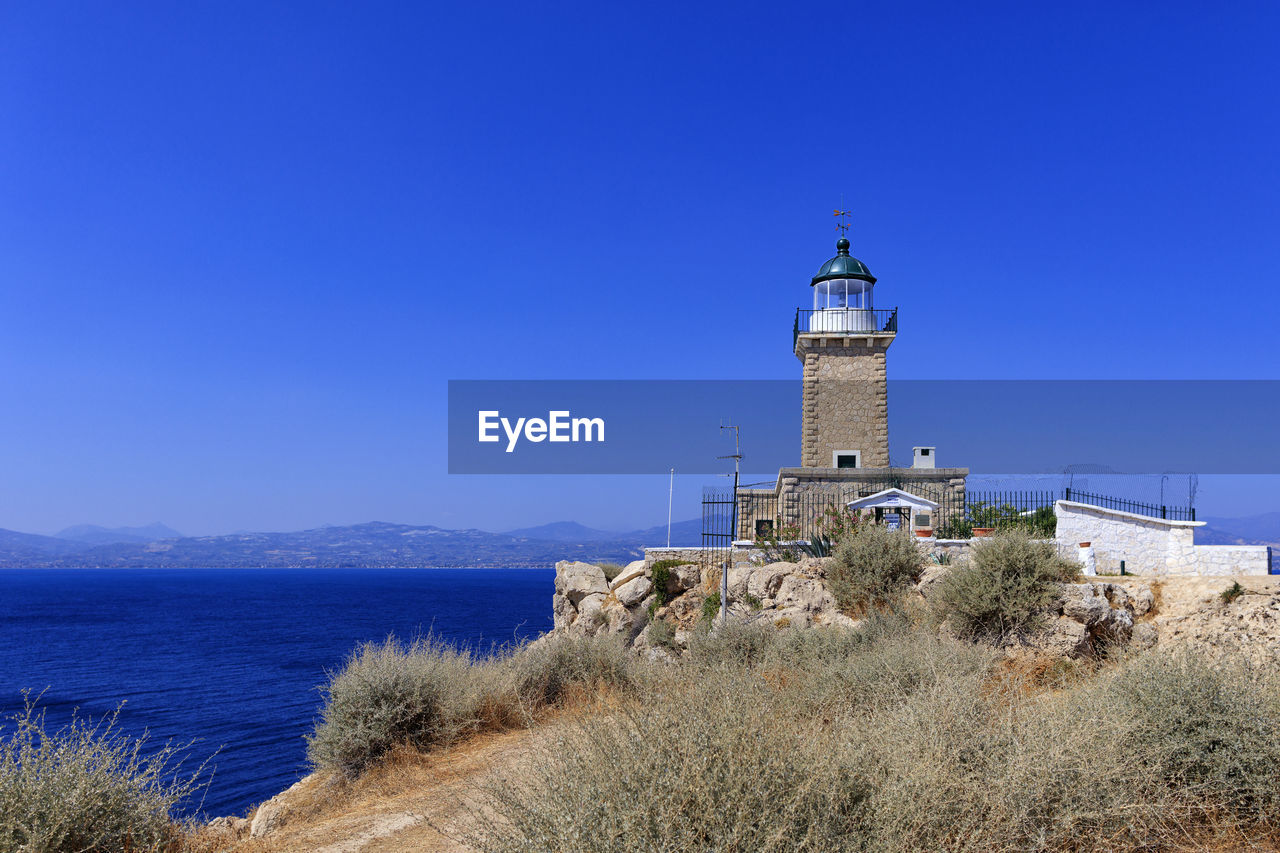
[244,245]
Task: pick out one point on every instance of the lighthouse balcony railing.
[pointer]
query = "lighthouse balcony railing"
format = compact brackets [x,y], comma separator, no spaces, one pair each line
[845,321]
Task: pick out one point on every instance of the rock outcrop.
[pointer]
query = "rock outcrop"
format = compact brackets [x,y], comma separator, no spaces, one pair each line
[1085,618]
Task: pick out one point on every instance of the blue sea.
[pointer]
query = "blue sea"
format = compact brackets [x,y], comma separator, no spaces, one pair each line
[232,658]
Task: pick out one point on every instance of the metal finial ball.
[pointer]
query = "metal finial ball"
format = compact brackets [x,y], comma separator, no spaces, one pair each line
[842,246]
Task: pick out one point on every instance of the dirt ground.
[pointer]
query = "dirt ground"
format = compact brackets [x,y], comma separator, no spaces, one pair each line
[413,804]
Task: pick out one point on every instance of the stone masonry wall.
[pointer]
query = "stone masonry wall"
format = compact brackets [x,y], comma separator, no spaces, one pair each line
[845,404]
[1151,546]
[1233,559]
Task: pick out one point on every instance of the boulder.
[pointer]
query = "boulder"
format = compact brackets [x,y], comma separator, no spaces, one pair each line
[633,591]
[1063,637]
[814,565]
[1117,627]
[562,612]
[738,577]
[1143,601]
[275,812]
[807,594]
[763,582]
[576,580]
[1144,636]
[1118,596]
[633,570]
[620,620]
[683,578]
[590,617]
[233,827]
[930,578]
[1084,603]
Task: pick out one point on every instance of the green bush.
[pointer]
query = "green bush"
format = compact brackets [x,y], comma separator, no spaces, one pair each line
[1004,588]
[660,574]
[711,607]
[873,565]
[86,787]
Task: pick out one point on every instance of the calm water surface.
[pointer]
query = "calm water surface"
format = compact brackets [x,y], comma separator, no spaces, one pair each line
[233,657]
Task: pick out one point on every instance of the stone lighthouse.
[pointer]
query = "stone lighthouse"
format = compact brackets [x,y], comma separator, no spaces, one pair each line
[842,342]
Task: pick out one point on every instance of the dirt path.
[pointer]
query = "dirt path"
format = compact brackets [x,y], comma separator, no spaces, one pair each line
[414,803]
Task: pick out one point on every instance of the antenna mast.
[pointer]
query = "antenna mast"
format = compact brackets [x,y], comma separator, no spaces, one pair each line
[733,523]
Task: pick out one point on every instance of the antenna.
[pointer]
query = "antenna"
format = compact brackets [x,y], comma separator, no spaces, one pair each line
[733,523]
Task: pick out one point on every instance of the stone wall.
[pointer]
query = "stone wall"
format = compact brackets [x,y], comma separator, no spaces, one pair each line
[1233,559]
[684,555]
[1151,546]
[845,402]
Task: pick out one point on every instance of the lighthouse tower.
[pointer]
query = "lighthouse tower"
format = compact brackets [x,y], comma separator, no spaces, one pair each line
[842,342]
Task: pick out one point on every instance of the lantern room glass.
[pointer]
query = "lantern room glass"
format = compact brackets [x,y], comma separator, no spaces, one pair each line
[842,293]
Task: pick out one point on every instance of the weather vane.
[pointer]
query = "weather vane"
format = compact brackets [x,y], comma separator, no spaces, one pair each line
[843,224]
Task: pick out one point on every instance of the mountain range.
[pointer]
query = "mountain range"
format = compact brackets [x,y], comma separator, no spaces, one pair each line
[372,545]
[380,544]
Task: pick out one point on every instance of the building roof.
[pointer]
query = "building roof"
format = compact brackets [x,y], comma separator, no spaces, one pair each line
[892,498]
[843,265]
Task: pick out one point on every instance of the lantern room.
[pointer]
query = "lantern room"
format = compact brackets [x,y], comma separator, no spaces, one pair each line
[842,300]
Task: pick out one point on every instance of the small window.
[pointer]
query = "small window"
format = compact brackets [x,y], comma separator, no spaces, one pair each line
[925,451]
[764,527]
[846,459]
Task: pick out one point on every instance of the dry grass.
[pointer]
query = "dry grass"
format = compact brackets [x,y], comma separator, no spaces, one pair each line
[901,741]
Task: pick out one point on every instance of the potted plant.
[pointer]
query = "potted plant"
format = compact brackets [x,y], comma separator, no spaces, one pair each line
[983,531]
[924,532]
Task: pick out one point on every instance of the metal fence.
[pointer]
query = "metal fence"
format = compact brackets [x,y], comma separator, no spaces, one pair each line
[1172,513]
[762,513]
[844,321]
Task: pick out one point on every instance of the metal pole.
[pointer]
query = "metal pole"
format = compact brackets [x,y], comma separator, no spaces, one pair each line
[733,523]
[671,489]
[724,576]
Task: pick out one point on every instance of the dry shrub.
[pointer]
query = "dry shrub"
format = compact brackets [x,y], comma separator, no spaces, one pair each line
[87,787]
[1004,587]
[427,694]
[545,674]
[611,570]
[714,764]
[873,565]
[898,740]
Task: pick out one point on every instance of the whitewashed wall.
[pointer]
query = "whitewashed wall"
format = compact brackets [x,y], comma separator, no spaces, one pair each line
[1151,546]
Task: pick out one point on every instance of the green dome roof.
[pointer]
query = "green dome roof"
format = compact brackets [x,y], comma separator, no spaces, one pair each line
[843,265]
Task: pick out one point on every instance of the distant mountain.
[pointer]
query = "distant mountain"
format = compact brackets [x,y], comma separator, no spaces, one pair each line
[564,531]
[683,533]
[1252,529]
[32,546]
[372,545]
[93,534]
